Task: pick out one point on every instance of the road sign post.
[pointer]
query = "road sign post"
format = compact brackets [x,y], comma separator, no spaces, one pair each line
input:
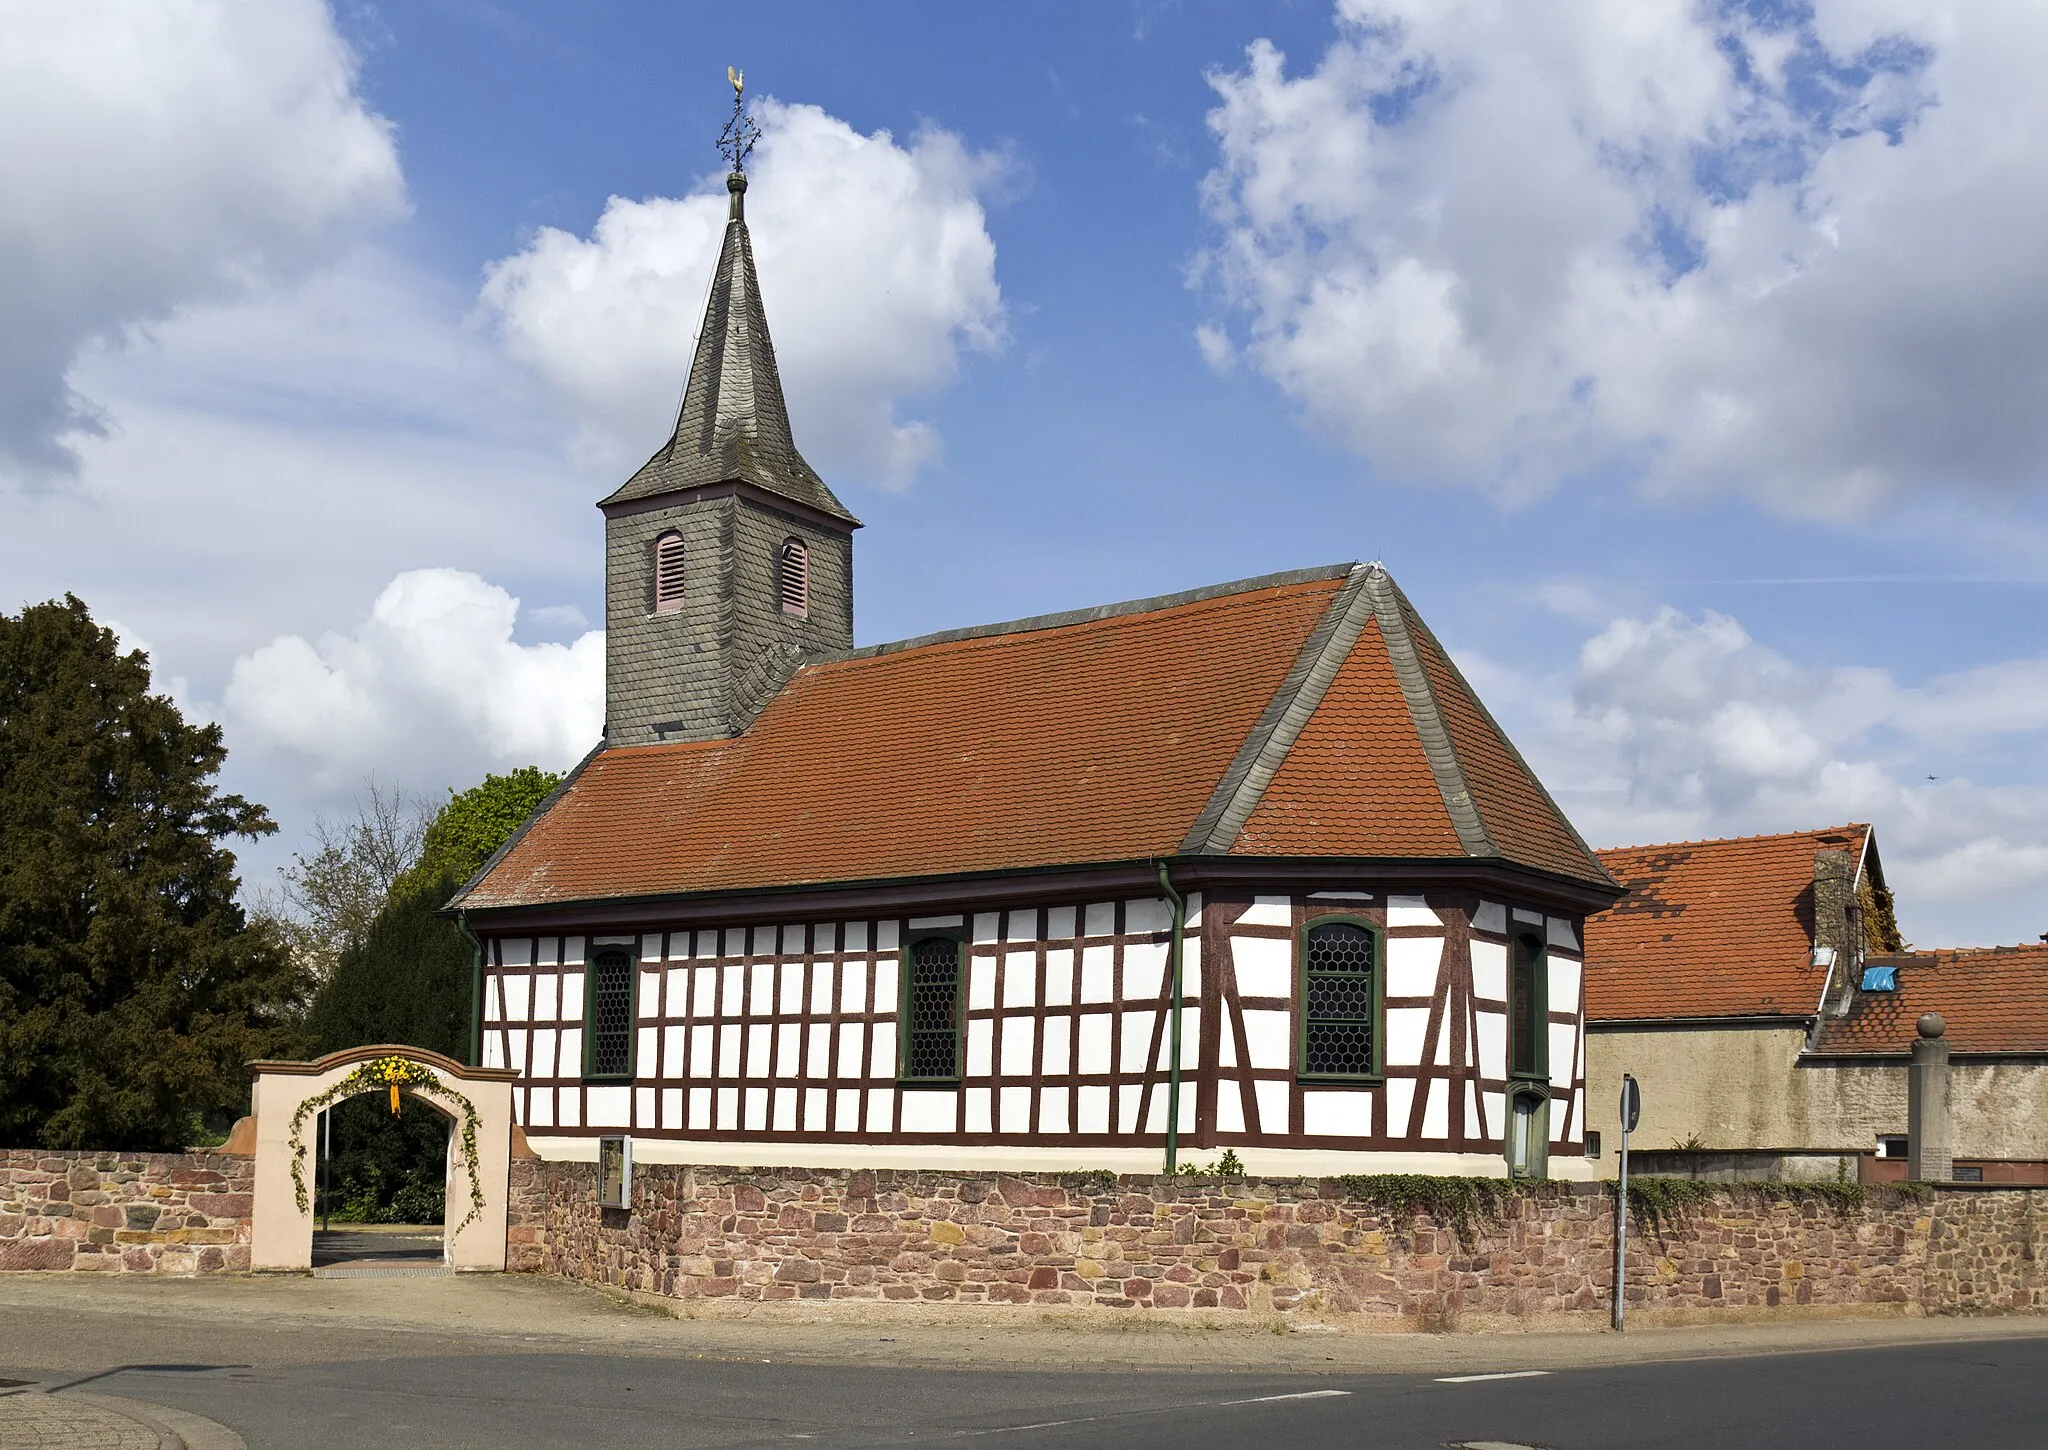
[1631,1114]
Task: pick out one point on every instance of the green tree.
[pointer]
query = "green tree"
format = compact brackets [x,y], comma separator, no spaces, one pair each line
[475,823]
[132,987]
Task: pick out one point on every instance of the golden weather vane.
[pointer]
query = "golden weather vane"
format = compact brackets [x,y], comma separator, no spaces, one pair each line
[736,141]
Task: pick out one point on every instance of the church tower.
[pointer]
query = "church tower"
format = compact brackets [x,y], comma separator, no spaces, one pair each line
[728,562]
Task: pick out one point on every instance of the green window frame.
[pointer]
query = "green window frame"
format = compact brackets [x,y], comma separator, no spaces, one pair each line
[1528,1008]
[931,1015]
[1339,1000]
[609,1007]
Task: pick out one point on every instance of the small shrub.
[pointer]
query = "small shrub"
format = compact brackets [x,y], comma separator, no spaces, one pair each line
[1459,1203]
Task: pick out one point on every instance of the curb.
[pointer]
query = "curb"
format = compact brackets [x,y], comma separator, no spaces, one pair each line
[173,1429]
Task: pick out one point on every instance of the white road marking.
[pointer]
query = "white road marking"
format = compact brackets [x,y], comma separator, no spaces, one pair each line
[1303,1395]
[1473,1379]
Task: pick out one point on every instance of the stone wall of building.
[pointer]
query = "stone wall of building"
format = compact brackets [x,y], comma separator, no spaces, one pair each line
[1291,1247]
[133,1213]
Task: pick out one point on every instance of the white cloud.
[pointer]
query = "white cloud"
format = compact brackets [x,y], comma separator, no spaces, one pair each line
[1677,728]
[161,153]
[876,266]
[1499,244]
[431,686]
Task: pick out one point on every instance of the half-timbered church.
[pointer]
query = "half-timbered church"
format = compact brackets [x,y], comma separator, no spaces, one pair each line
[1248,867]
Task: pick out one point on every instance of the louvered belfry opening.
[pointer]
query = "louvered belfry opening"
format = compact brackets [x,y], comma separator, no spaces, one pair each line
[793,577]
[668,573]
[611,1015]
[1338,1016]
[932,1042]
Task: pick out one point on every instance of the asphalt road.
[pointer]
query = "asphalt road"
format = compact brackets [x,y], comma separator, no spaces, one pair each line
[1979,1393]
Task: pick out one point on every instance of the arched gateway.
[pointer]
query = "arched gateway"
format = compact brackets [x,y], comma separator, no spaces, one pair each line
[288,1098]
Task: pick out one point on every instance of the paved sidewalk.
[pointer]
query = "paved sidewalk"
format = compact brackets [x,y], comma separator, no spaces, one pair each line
[33,1420]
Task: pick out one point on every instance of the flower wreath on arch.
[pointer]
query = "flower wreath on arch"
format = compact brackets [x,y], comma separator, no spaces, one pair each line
[395,1073]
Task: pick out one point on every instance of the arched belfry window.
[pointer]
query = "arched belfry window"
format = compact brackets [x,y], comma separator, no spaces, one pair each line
[793,577]
[668,573]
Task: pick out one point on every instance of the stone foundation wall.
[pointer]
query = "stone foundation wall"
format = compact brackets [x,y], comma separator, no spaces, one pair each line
[1288,1247]
[125,1213]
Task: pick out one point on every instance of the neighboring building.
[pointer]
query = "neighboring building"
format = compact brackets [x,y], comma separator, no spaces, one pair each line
[1744,985]
[918,903]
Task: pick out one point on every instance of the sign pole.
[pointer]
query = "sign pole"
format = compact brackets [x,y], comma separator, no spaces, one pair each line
[1631,1112]
[326,1166]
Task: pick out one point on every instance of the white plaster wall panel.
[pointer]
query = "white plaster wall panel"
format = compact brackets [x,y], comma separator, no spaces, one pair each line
[1490,971]
[494,1049]
[702,1058]
[1146,914]
[1269,1038]
[1471,1091]
[1020,979]
[1226,1040]
[650,994]
[1091,1109]
[845,1110]
[1578,1129]
[763,944]
[885,985]
[644,1051]
[786,1099]
[921,923]
[733,992]
[1190,1039]
[1411,911]
[1144,971]
[704,944]
[540,1108]
[651,947]
[1015,1103]
[824,938]
[1268,911]
[887,937]
[977,1111]
[1265,966]
[987,926]
[818,1050]
[1127,1110]
[735,944]
[671,1107]
[852,1047]
[643,1108]
[518,1041]
[1059,1045]
[1021,926]
[700,1109]
[494,998]
[610,1107]
[571,1049]
[547,998]
[1340,896]
[1558,933]
[1191,966]
[519,999]
[754,1109]
[569,1109]
[756,1062]
[1273,1113]
[516,951]
[816,1100]
[1337,1114]
[980,1051]
[1059,923]
[1525,917]
[1229,1106]
[704,992]
[1059,977]
[677,993]
[791,995]
[1094,1042]
[760,989]
[1098,974]
[981,984]
[572,997]
[1564,1041]
[572,951]
[1020,1039]
[1412,964]
[728,1109]
[1490,1030]
[1436,1108]
[853,988]
[789,1049]
[821,989]
[1052,1111]
[792,941]
[1136,1054]
[925,1112]
[881,1109]
[673,1045]
[1193,901]
[1155,1115]
[856,934]
[1406,1029]
[882,1057]
[1100,919]
[1400,1105]
[1494,1106]
[1565,975]
[728,1053]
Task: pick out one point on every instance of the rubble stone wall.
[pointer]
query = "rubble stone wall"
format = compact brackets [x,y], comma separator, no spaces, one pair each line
[1297,1248]
[125,1213]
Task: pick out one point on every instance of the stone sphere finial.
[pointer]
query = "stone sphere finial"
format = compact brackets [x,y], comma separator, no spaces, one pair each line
[1931,1024]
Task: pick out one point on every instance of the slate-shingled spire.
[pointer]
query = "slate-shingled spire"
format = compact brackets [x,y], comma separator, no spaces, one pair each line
[734,426]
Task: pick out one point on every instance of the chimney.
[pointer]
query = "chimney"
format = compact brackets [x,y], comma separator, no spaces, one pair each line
[1837,923]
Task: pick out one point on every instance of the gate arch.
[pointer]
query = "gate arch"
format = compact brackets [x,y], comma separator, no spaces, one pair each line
[286,1095]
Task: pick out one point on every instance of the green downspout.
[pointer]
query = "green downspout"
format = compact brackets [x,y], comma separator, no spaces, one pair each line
[476,991]
[1173,957]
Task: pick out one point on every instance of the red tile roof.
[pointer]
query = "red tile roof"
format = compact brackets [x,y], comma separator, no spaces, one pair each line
[1711,928]
[1196,724]
[1993,999]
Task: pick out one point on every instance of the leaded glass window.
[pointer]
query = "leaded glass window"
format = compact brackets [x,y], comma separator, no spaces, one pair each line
[611,1015]
[1526,1007]
[1339,1000]
[931,1009]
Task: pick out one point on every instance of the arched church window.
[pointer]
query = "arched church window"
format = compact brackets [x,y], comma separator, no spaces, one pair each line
[930,1035]
[608,1044]
[1528,1008]
[668,573]
[793,577]
[1339,1017]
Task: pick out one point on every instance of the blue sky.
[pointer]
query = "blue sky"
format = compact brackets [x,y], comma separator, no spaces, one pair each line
[1684,363]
